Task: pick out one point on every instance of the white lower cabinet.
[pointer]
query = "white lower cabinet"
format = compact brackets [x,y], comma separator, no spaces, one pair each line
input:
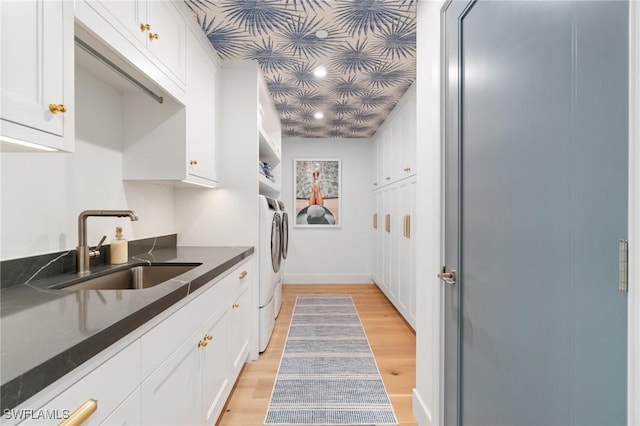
[169,394]
[109,384]
[215,365]
[127,414]
[179,372]
[240,316]
[191,386]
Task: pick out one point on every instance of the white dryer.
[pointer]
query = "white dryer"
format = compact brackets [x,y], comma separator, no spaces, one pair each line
[270,256]
[284,244]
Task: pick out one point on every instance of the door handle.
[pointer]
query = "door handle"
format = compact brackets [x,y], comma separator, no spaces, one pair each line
[448,276]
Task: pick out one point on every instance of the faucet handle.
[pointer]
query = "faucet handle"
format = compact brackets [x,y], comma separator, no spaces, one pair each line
[96,251]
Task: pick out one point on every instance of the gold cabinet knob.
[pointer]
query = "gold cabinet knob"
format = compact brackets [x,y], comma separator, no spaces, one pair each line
[388,178]
[235,306]
[153,36]
[243,274]
[407,169]
[202,343]
[375,183]
[145,27]
[193,162]
[56,108]
[208,337]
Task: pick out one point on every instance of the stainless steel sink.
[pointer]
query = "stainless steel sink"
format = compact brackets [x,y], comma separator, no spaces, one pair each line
[133,278]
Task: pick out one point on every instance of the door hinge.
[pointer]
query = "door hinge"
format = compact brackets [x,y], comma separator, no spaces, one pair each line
[623,266]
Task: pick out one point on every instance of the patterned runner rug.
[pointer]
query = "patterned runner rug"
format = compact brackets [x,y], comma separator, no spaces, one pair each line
[327,374]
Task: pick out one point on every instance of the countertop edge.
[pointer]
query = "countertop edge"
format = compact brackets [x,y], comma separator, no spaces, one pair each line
[13,393]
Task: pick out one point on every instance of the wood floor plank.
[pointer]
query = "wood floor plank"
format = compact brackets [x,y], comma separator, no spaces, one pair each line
[392,341]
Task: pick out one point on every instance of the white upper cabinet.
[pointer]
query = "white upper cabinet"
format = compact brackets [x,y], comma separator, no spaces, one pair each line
[202,92]
[166,38]
[37,74]
[395,142]
[151,35]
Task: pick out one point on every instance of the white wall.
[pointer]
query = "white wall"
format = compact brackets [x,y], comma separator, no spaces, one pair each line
[332,255]
[43,193]
[427,397]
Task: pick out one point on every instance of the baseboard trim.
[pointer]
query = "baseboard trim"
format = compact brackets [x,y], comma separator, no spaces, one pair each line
[327,279]
[420,410]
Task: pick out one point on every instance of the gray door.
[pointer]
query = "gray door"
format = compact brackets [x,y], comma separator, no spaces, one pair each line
[535,205]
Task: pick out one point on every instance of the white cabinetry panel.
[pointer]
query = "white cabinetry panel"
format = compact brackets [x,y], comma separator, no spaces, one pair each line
[37,71]
[169,395]
[394,199]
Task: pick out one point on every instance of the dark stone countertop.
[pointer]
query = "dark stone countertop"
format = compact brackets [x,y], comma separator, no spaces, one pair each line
[46,333]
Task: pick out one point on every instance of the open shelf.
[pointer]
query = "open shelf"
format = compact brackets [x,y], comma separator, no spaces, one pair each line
[269,152]
[266,187]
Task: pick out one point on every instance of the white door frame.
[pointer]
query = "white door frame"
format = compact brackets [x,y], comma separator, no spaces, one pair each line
[428,393]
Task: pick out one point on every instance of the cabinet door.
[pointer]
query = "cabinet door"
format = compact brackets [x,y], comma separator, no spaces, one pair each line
[379,260]
[408,151]
[406,272]
[169,395]
[412,252]
[202,75]
[386,240]
[240,323]
[215,365]
[128,17]
[395,235]
[127,414]
[37,71]
[387,153]
[109,384]
[167,38]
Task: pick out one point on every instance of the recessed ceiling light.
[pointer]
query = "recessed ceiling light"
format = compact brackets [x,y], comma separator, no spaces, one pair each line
[320,72]
[318,115]
[322,34]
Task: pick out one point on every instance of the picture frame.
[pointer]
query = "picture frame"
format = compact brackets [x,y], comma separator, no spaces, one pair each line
[317,192]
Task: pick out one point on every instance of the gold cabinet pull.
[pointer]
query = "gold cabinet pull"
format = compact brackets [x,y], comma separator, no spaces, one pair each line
[56,108]
[375,183]
[407,169]
[406,226]
[81,413]
[243,274]
[388,178]
[145,27]
[387,223]
[193,162]
[208,337]
[375,221]
[153,36]
[202,343]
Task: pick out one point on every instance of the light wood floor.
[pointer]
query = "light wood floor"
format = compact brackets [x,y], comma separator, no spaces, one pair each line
[393,343]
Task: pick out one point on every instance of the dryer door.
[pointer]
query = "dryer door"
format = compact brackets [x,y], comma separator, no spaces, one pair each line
[276,243]
[285,235]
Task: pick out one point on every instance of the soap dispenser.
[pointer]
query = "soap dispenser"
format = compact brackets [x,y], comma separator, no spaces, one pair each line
[119,248]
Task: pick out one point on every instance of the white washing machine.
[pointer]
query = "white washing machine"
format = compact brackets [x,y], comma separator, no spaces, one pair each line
[270,257]
[284,244]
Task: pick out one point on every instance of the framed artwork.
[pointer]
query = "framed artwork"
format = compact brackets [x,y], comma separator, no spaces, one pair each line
[317,187]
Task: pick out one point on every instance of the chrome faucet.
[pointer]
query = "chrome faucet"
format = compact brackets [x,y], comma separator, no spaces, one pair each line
[83,253]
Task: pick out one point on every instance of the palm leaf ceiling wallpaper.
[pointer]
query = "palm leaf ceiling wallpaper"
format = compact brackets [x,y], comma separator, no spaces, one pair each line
[368,48]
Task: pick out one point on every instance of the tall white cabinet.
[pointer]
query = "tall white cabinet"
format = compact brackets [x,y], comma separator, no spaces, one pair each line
[394,207]
[230,215]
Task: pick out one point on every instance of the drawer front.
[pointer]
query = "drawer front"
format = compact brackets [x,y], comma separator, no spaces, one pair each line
[110,384]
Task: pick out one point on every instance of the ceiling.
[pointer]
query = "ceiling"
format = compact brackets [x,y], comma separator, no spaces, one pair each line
[368,48]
